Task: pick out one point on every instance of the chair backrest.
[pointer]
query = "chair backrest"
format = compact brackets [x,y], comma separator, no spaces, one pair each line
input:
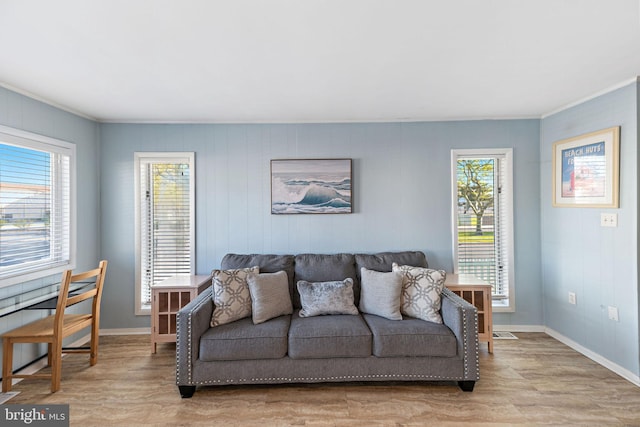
[95,292]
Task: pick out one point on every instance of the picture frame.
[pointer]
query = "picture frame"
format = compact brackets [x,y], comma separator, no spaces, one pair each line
[311,186]
[586,170]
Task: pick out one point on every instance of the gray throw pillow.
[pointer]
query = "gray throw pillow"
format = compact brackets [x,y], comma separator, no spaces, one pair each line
[380,293]
[421,292]
[269,296]
[231,296]
[319,298]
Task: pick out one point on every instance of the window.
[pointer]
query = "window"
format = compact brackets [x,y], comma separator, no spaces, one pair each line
[483,219]
[165,226]
[37,206]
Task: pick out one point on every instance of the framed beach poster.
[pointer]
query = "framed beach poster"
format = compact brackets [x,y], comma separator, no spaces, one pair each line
[586,170]
[311,186]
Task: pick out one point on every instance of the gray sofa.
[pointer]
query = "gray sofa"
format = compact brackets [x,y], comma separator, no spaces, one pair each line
[332,348]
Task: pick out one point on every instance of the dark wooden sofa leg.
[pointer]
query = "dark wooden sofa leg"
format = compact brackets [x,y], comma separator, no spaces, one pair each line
[465,385]
[186,391]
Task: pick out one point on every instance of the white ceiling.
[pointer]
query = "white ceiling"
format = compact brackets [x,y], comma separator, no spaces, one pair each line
[316,60]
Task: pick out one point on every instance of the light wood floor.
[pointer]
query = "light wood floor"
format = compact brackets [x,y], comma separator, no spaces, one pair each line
[535,380]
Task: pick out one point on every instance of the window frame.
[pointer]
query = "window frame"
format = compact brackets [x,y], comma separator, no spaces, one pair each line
[160,157]
[30,140]
[506,198]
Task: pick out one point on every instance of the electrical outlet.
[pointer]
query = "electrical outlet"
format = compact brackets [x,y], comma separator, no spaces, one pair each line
[572,298]
[613,313]
[608,220]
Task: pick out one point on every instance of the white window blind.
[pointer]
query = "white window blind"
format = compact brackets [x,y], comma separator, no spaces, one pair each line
[165,226]
[36,206]
[502,220]
[483,223]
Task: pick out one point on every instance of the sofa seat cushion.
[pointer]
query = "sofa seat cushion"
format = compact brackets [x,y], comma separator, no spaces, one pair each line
[410,337]
[242,340]
[328,336]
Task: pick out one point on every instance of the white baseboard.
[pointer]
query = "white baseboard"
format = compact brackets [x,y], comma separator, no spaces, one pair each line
[518,328]
[612,366]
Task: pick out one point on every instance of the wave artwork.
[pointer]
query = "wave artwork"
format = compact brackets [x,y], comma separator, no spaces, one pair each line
[314,186]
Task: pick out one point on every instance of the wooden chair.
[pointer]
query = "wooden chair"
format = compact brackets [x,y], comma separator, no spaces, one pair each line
[53,329]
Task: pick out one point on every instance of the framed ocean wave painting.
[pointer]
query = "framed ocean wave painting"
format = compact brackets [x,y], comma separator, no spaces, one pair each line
[311,186]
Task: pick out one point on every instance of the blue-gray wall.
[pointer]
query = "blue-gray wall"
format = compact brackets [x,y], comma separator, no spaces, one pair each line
[402,201]
[578,255]
[24,113]
[402,195]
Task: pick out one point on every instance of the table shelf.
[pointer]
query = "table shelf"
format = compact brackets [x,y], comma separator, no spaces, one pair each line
[477,293]
[167,298]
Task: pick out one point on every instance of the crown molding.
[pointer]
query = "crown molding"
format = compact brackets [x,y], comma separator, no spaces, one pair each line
[47,101]
[592,96]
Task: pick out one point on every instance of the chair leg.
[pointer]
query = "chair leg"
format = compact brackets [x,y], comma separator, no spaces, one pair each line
[49,350]
[93,356]
[7,364]
[56,366]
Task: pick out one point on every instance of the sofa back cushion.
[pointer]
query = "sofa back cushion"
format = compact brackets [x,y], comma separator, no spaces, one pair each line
[383,261]
[267,264]
[324,268]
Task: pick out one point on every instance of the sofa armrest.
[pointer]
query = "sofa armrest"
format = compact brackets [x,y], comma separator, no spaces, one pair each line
[462,318]
[193,320]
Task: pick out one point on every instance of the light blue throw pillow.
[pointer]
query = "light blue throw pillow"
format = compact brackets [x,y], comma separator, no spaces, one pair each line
[380,293]
[269,296]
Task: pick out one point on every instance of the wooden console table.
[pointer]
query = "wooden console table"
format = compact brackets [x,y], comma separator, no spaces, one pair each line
[167,298]
[478,293]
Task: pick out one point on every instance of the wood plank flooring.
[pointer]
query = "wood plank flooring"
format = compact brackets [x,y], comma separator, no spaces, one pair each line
[533,381]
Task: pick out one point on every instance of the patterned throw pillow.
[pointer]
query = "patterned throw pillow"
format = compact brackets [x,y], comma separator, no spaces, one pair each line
[318,298]
[231,296]
[421,289]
